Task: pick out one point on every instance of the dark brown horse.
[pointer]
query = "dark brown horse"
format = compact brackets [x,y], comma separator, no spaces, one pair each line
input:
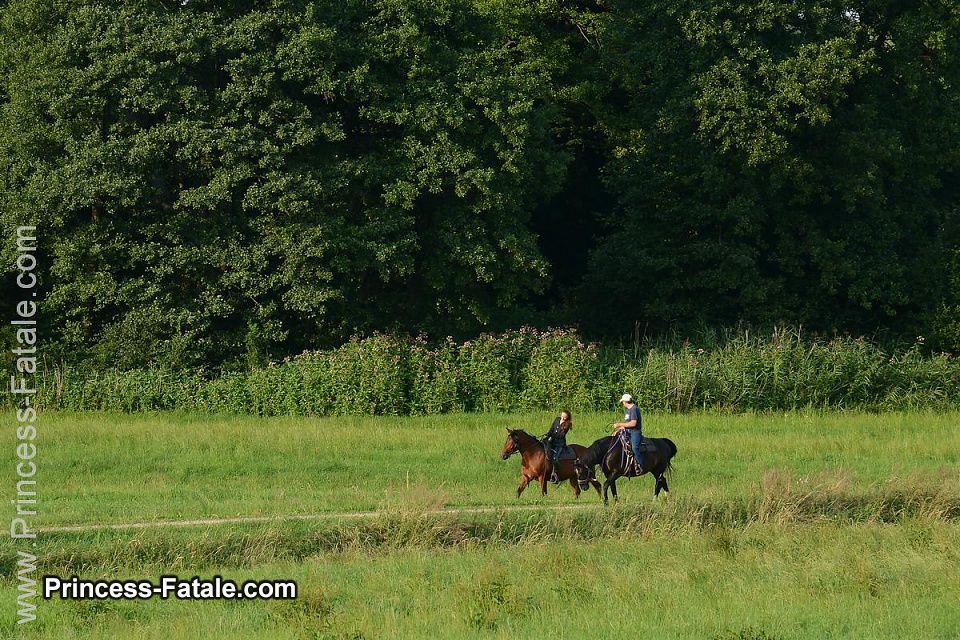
[535,466]
[608,453]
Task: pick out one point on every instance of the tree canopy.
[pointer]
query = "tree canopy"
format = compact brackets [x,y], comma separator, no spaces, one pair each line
[779,160]
[224,183]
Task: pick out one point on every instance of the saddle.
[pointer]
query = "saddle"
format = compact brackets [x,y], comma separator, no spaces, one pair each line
[566,453]
[646,446]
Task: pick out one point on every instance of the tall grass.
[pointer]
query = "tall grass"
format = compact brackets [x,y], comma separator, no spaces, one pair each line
[605,575]
[421,522]
[796,526]
[115,468]
[528,369]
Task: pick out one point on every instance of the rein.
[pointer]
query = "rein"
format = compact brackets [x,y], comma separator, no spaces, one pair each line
[621,439]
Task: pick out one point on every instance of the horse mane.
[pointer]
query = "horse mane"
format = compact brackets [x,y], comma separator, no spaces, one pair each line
[524,434]
[594,453]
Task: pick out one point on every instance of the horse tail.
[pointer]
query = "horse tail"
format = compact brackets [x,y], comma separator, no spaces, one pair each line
[673,452]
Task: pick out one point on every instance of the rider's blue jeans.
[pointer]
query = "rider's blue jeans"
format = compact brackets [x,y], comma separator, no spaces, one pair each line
[555,446]
[635,437]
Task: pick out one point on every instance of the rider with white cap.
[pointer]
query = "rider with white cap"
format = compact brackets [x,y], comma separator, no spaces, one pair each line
[631,423]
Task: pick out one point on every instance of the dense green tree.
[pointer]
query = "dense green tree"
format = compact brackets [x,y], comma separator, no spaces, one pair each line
[222,183]
[214,179]
[776,161]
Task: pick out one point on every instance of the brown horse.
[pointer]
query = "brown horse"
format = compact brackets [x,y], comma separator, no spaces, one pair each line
[609,454]
[535,466]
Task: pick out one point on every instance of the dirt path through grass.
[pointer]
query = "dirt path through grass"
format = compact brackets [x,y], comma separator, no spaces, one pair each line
[342,515]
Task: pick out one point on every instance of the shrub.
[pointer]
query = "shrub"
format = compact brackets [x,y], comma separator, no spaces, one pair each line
[491,369]
[562,372]
[367,376]
[434,378]
[532,370]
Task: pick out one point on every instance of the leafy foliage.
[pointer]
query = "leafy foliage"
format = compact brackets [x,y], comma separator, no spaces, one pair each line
[776,161]
[213,181]
[529,370]
[222,185]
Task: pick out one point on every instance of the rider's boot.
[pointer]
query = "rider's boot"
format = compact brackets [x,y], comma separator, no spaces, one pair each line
[638,464]
[554,478]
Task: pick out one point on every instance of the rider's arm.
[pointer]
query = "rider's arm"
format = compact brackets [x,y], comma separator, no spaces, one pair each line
[629,424]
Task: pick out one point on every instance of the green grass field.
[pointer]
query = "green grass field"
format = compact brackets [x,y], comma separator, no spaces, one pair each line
[802,525]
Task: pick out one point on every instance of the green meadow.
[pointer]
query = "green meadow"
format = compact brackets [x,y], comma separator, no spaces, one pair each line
[798,525]
[122,468]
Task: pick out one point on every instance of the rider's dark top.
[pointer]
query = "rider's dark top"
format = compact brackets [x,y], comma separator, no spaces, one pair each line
[633,413]
[556,434]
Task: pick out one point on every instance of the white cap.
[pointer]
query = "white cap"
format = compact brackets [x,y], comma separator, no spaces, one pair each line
[626,398]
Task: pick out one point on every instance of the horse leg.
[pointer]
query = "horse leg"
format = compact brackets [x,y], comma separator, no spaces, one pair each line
[576,488]
[596,485]
[524,481]
[610,483]
[543,484]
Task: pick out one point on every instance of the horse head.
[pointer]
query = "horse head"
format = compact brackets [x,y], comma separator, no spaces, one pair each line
[512,444]
[584,473]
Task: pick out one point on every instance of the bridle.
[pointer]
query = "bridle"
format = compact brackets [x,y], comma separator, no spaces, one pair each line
[516,445]
[583,472]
